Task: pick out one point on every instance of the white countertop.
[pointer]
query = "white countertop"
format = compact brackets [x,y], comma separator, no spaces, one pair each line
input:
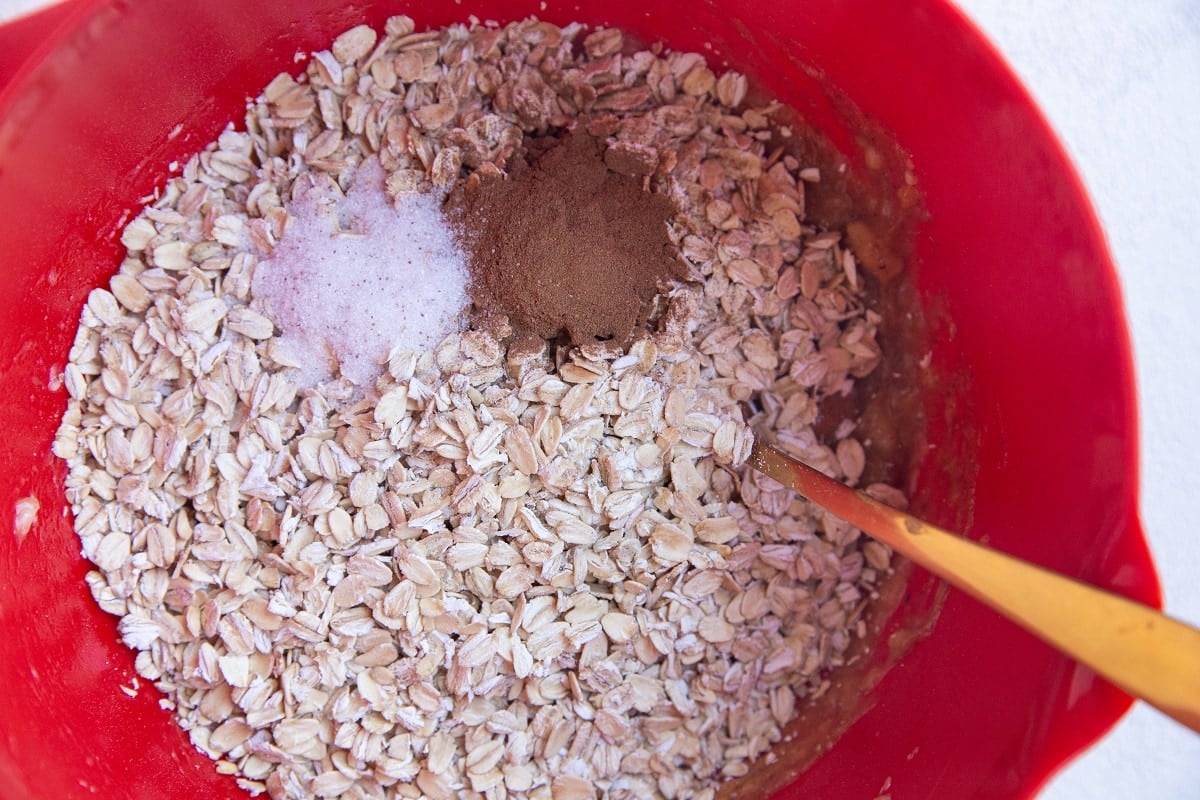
[1120,82]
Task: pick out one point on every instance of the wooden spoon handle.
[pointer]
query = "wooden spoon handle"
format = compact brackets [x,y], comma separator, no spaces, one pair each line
[1144,652]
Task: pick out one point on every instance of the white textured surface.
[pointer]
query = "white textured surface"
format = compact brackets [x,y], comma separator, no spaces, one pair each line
[1120,83]
[15,8]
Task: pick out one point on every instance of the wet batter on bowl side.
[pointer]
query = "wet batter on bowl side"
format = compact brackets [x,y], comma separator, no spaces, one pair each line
[486,528]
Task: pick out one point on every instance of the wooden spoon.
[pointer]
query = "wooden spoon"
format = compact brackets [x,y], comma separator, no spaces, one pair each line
[1144,652]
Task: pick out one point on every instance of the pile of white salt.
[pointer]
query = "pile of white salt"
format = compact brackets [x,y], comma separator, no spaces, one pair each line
[356,278]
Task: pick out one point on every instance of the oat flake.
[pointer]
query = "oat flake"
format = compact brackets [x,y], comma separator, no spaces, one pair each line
[510,571]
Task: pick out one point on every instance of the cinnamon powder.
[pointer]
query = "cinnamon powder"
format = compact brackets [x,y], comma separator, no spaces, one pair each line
[565,245]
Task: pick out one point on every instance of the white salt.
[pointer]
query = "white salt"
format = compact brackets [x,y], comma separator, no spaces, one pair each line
[354,278]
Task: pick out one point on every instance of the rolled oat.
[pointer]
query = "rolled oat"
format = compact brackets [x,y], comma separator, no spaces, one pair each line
[513,569]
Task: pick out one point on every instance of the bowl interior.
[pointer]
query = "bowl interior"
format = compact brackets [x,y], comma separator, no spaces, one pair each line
[1035,414]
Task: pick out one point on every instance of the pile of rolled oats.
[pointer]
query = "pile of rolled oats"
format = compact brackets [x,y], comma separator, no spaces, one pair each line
[511,570]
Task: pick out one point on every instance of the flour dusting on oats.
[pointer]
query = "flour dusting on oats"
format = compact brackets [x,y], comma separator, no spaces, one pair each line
[357,274]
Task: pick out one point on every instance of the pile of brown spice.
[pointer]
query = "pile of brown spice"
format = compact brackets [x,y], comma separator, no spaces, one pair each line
[564,244]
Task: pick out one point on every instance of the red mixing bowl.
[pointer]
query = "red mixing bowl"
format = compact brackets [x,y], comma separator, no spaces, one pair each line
[1041,410]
